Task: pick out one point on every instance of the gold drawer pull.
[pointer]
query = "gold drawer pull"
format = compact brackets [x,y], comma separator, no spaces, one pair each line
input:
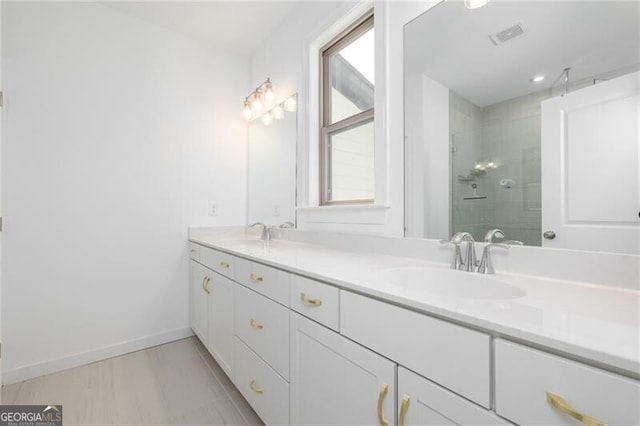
[562,405]
[384,388]
[256,389]
[205,284]
[403,409]
[224,265]
[256,278]
[310,302]
[255,324]
[194,251]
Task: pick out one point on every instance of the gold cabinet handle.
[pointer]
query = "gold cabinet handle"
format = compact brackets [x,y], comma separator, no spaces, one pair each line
[224,265]
[384,388]
[310,302]
[562,405]
[404,407]
[255,324]
[255,388]
[193,250]
[256,277]
[206,285]
[203,281]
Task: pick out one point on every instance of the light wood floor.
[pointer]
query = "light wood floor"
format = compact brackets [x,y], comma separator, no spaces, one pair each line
[178,383]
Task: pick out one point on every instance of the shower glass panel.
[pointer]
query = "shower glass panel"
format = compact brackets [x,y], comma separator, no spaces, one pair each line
[495,179]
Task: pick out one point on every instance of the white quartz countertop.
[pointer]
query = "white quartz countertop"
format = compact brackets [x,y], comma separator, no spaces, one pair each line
[591,322]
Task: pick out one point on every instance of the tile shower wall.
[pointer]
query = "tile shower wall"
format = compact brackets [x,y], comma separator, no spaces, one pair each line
[504,139]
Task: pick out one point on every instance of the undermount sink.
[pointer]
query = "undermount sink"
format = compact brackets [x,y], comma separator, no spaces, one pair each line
[451,283]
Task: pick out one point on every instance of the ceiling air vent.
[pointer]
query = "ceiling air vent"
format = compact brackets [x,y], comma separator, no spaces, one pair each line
[507,34]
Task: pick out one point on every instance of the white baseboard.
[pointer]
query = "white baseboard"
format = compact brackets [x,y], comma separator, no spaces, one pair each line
[99,354]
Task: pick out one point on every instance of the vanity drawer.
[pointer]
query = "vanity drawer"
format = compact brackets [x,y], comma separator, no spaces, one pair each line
[195,251]
[524,376]
[316,300]
[263,388]
[450,355]
[264,326]
[225,264]
[271,282]
[208,257]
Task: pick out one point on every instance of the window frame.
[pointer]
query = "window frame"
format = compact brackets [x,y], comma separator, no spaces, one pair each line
[346,37]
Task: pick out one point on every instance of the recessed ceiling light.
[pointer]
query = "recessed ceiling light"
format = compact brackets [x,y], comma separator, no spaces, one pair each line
[536,79]
[475,4]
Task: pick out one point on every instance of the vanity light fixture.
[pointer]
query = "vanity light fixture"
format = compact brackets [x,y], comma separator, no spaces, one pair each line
[277,112]
[537,78]
[255,101]
[475,4]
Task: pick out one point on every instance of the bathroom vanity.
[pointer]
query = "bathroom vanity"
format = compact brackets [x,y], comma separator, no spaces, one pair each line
[312,334]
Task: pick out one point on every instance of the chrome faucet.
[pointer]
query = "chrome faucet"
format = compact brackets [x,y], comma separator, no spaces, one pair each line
[265,234]
[469,261]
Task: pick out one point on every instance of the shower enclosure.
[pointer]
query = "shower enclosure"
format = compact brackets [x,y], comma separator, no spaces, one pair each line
[495,168]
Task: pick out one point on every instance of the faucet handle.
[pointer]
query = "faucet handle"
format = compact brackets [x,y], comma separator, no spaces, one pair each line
[253,225]
[286,225]
[459,237]
[513,243]
[493,233]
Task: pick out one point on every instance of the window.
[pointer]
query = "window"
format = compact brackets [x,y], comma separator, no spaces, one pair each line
[346,116]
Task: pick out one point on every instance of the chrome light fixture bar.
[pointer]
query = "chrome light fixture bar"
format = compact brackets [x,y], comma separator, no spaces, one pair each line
[255,101]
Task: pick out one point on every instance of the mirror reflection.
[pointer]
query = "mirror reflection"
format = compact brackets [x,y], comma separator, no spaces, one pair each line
[523,116]
[272,165]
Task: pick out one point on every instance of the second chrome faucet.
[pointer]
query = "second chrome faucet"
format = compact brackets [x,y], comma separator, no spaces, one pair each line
[469,262]
[265,234]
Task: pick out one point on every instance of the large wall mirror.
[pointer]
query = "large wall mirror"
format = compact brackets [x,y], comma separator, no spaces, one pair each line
[272,167]
[523,116]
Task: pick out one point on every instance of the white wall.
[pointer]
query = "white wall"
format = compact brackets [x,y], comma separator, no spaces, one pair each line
[285,57]
[117,135]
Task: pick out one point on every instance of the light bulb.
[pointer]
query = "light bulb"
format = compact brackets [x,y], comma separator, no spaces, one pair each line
[278,112]
[537,79]
[267,119]
[475,4]
[290,104]
[268,91]
[246,113]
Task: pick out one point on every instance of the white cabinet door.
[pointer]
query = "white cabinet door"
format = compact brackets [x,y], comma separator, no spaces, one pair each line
[221,320]
[590,177]
[199,310]
[422,402]
[335,381]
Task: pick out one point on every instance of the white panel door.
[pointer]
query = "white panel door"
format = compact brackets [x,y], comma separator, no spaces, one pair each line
[221,320]
[335,381]
[422,402]
[198,296]
[590,177]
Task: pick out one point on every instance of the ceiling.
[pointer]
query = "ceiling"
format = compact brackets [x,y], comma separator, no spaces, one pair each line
[240,26]
[451,45]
